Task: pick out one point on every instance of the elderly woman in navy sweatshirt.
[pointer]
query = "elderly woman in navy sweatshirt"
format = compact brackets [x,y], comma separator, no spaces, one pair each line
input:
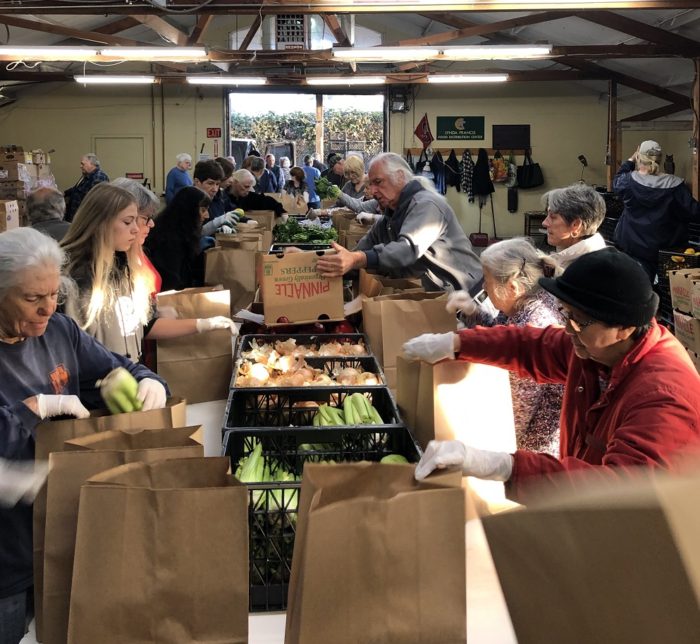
[48,367]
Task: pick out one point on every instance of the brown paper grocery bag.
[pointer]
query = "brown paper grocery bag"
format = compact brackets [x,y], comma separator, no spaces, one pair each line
[197,367]
[391,320]
[378,557]
[161,555]
[610,565]
[354,233]
[264,218]
[68,470]
[235,269]
[50,436]
[294,205]
[454,399]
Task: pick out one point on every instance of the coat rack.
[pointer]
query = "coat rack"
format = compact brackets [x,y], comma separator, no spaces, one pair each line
[472,149]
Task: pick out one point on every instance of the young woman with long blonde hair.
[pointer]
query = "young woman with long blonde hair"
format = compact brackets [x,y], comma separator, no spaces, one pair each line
[111,298]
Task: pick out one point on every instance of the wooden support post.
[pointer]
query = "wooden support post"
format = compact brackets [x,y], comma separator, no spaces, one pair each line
[319,127]
[612,159]
[695,176]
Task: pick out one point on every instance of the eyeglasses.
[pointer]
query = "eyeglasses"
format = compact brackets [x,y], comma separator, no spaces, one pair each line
[146,219]
[575,324]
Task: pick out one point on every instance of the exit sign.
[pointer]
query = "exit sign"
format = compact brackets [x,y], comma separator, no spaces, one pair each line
[213,132]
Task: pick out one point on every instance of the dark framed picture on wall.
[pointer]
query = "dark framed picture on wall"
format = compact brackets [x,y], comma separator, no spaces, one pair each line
[510,137]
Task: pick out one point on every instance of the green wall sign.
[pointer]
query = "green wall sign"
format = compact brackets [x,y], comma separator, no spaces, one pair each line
[456,128]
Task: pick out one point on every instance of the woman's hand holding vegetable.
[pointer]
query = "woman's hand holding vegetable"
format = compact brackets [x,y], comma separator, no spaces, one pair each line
[341,262]
[483,464]
[432,347]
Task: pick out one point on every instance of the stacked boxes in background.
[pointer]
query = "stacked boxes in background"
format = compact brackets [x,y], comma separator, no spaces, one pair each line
[685,297]
[9,215]
[20,173]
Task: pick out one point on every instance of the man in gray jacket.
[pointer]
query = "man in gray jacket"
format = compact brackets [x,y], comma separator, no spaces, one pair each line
[418,236]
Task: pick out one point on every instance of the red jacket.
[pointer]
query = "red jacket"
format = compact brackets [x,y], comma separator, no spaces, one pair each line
[649,412]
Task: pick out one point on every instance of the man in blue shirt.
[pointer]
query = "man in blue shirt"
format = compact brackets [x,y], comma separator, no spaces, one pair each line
[311,175]
[178,177]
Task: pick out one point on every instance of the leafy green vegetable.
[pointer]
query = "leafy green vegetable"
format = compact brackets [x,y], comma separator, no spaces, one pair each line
[324,188]
[293,233]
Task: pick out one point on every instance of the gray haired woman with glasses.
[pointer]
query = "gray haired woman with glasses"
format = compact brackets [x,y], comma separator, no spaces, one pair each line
[511,270]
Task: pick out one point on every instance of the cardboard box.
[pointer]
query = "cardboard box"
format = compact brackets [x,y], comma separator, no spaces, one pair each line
[14,189]
[39,170]
[687,330]
[15,153]
[615,564]
[292,288]
[9,215]
[695,299]
[695,357]
[681,285]
[10,171]
[41,157]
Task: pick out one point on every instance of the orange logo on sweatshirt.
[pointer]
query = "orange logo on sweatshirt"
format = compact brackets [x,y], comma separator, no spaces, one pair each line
[59,378]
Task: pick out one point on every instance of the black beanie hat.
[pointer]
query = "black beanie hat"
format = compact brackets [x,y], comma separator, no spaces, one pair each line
[609,286]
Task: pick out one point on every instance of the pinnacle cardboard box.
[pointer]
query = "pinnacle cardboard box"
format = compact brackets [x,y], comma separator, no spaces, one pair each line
[681,285]
[9,215]
[695,299]
[14,189]
[687,330]
[293,289]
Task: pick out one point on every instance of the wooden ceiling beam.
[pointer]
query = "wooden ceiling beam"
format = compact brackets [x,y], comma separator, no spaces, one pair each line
[624,51]
[257,21]
[116,26]
[339,34]
[627,81]
[659,112]
[203,22]
[164,29]
[90,36]
[639,30]
[485,29]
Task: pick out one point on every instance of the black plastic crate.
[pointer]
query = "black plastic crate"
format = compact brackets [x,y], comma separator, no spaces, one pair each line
[314,340]
[671,260]
[331,366]
[281,247]
[296,407]
[272,510]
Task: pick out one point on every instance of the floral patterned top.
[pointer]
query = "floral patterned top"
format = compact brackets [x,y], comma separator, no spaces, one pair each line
[536,407]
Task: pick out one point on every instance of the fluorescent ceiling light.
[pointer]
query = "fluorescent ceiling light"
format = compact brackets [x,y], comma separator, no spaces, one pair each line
[114,79]
[346,80]
[385,53]
[226,80]
[495,52]
[467,78]
[474,52]
[155,53]
[49,53]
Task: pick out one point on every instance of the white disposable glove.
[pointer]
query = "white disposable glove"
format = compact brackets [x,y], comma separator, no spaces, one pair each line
[65,405]
[217,322]
[367,218]
[21,480]
[461,301]
[227,219]
[151,394]
[483,464]
[431,347]
[227,230]
[167,312]
[313,214]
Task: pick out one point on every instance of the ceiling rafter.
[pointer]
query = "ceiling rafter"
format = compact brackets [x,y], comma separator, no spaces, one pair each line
[666,110]
[624,51]
[90,36]
[639,29]
[203,22]
[164,29]
[257,21]
[485,29]
[339,34]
